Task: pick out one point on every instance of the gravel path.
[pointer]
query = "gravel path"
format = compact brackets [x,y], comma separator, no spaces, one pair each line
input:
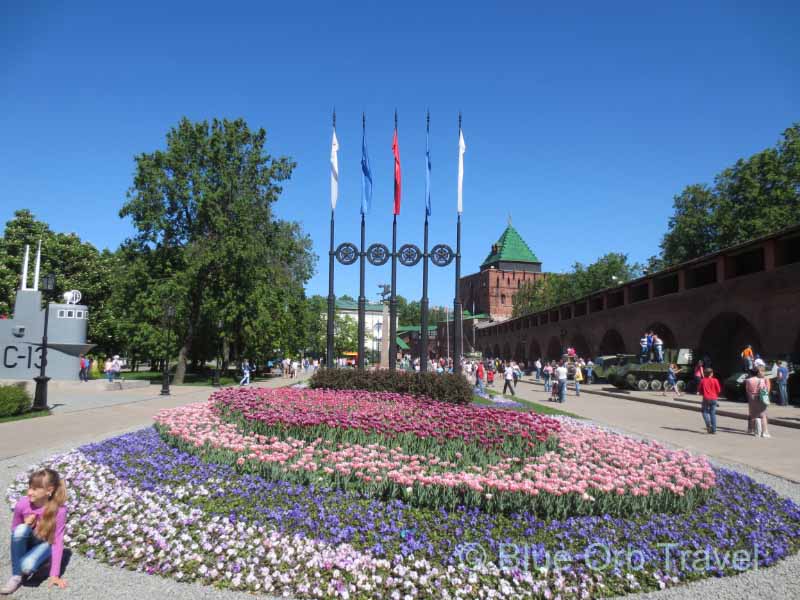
[91,580]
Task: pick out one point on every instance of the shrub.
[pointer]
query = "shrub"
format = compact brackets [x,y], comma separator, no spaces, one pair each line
[445,387]
[14,400]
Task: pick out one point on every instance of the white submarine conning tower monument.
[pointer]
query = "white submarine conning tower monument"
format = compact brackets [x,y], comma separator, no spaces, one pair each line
[21,334]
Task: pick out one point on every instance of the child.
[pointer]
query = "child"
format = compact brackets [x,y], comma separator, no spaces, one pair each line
[709,388]
[37,530]
[490,377]
[553,388]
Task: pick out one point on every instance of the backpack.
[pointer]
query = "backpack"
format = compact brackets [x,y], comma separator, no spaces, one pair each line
[763,393]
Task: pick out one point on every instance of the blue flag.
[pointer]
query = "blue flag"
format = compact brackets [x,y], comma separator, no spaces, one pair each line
[427,174]
[366,177]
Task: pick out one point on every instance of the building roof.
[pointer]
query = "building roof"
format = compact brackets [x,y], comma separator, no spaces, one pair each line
[510,248]
[407,328]
[353,305]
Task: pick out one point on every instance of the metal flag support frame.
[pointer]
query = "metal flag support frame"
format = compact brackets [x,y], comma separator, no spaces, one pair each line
[378,254]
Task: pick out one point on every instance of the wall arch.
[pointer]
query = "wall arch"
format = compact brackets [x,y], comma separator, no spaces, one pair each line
[611,343]
[535,350]
[506,351]
[519,352]
[581,346]
[554,348]
[723,339]
[496,351]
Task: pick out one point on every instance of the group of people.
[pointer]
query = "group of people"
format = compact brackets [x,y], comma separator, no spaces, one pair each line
[112,367]
[651,348]
[757,390]
[289,368]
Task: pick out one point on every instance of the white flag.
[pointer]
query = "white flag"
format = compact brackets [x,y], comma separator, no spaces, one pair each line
[462,147]
[334,171]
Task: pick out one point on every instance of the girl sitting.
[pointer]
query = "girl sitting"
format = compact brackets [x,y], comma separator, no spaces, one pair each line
[37,530]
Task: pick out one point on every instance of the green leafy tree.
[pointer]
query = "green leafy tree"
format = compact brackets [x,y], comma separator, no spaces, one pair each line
[754,197]
[345,334]
[206,234]
[558,288]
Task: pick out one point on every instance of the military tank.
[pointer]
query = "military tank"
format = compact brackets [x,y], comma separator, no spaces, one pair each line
[653,375]
[606,367]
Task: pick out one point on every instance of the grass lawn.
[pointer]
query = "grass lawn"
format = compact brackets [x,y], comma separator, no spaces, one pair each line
[526,406]
[27,415]
[155,378]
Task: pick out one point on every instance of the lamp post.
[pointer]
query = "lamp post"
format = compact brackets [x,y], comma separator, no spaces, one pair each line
[169,314]
[40,396]
[215,380]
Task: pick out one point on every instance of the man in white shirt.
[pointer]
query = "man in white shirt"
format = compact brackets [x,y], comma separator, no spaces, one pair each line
[561,375]
[508,375]
[537,368]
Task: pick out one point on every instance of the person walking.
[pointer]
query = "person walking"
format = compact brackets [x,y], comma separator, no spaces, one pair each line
[83,374]
[547,373]
[116,368]
[537,368]
[480,375]
[709,388]
[589,370]
[107,369]
[698,375]
[783,380]
[672,381]
[561,375]
[757,389]
[508,376]
[578,379]
[246,373]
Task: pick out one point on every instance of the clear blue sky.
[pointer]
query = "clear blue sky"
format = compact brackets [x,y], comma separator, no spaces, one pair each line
[582,120]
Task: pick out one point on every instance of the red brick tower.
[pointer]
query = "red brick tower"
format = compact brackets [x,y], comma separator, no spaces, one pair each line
[509,264]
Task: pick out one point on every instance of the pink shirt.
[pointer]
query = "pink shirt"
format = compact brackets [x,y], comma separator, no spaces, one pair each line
[23,509]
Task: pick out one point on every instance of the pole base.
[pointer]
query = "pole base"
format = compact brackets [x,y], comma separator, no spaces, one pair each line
[40,396]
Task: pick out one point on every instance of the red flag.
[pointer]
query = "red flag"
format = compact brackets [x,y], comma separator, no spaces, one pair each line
[396,152]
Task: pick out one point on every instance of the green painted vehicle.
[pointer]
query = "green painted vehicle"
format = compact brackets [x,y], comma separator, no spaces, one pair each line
[606,367]
[653,375]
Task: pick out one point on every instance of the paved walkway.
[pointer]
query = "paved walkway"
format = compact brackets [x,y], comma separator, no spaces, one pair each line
[778,455]
[97,413]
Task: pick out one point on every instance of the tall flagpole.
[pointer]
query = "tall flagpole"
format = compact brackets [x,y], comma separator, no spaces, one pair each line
[457,317]
[362,300]
[331,296]
[393,297]
[423,333]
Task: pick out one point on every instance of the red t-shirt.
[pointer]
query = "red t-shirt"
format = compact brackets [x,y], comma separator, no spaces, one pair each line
[709,388]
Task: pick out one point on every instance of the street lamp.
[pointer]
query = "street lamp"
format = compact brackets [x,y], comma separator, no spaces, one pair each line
[169,314]
[40,396]
[215,381]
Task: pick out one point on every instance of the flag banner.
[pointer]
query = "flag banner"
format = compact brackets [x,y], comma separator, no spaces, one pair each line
[397,178]
[428,173]
[462,147]
[366,177]
[334,171]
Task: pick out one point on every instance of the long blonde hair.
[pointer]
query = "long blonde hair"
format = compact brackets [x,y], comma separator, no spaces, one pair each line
[44,478]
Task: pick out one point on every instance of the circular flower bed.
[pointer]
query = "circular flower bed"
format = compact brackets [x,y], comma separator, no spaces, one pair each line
[435,455]
[157,502]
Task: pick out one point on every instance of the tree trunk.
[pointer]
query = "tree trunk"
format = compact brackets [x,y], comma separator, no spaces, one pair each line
[180,368]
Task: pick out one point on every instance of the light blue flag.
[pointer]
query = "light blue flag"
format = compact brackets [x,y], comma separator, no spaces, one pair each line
[366,177]
[427,174]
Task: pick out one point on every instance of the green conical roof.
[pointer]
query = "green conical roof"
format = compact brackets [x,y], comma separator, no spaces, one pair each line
[510,247]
